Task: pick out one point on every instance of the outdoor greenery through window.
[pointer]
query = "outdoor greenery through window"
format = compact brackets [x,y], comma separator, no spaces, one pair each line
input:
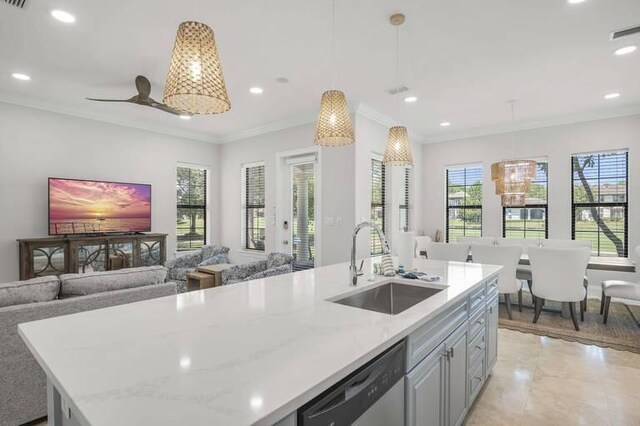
[404,207]
[464,202]
[191,207]
[600,201]
[530,222]
[378,197]
[254,223]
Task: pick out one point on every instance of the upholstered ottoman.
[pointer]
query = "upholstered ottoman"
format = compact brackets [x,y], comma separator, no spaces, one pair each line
[620,289]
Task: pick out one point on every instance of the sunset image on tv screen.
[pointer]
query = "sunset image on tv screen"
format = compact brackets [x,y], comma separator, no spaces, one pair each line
[88,207]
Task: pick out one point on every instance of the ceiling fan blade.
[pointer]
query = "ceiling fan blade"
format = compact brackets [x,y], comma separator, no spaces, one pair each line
[165,108]
[130,100]
[144,86]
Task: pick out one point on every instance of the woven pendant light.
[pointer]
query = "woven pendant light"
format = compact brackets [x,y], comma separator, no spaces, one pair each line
[333,127]
[195,83]
[398,150]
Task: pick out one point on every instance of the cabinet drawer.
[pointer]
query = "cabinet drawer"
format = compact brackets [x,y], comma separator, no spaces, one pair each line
[477,323]
[476,380]
[424,340]
[476,299]
[477,348]
[492,288]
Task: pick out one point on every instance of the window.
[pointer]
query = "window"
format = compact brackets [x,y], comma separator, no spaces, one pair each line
[464,202]
[377,203]
[191,207]
[404,207]
[530,221]
[253,199]
[600,201]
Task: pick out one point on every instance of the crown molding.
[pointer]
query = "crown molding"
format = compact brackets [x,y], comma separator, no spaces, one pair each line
[102,118]
[384,120]
[532,125]
[275,126]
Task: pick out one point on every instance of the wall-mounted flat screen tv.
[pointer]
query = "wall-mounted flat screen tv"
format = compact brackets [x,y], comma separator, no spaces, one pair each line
[97,207]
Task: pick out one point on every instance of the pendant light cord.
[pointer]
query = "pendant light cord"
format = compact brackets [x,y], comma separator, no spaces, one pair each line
[333,44]
[513,128]
[398,73]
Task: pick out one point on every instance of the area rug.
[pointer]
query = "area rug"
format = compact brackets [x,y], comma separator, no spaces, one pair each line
[622,332]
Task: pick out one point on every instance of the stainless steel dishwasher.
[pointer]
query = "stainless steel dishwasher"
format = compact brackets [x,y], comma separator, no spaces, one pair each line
[371,396]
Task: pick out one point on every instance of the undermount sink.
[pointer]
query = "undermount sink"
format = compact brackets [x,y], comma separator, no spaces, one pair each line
[390,298]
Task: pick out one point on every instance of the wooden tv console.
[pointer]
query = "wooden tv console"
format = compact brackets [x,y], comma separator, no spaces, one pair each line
[78,254]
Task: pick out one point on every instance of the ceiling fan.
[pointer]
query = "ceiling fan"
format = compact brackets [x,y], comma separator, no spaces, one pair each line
[142,98]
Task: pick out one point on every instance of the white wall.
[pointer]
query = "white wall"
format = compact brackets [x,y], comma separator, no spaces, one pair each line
[346,187]
[337,190]
[36,144]
[557,144]
[371,138]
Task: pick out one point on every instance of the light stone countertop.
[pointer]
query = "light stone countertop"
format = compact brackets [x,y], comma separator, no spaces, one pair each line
[247,353]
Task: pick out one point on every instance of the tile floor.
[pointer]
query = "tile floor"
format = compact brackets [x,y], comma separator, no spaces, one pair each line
[547,382]
[542,381]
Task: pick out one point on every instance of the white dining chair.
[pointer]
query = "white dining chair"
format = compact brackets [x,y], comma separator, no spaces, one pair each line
[455,252]
[558,274]
[508,257]
[421,244]
[523,272]
[561,243]
[485,241]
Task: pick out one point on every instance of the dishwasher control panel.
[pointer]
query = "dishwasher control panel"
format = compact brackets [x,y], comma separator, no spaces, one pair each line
[346,401]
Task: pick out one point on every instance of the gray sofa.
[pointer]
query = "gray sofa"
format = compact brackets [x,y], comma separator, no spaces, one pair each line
[183,264]
[22,381]
[275,264]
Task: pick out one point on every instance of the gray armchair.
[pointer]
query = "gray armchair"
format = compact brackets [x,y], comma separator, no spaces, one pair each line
[180,266]
[275,264]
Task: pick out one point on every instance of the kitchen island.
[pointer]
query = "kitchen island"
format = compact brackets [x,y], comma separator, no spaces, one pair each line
[254,352]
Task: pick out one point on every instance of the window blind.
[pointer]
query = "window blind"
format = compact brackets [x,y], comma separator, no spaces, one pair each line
[378,198]
[254,208]
[191,194]
[599,197]
[464,202]
[530,221]
[405,224]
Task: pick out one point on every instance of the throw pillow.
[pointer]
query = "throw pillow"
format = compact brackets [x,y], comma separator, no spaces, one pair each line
[218,258]
[43,289]
[99,282]
[209,251]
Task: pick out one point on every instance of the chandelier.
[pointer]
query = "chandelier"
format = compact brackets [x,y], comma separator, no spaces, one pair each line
[398,149]
[333,127]
[195,83]
[512,178]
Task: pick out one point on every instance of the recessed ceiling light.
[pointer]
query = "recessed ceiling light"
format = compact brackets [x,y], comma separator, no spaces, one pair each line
[282,80]
[576,1]
[63,16]
[256,90]
[445,124]
[612,95]
[19,76]
[185,117]
[410,99]
[626,50]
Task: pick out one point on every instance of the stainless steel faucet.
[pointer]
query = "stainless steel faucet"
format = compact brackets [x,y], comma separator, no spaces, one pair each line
[356,272]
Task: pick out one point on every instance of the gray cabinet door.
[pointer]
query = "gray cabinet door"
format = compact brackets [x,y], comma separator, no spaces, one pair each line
[492,333]
[456,345]
[426,391]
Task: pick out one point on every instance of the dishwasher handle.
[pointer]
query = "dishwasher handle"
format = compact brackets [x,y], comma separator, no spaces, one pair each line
[346,401]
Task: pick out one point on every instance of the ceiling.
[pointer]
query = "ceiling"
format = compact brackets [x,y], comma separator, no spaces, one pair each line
[463,59]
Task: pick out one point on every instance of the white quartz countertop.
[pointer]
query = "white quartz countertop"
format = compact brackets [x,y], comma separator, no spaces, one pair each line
[247,353]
